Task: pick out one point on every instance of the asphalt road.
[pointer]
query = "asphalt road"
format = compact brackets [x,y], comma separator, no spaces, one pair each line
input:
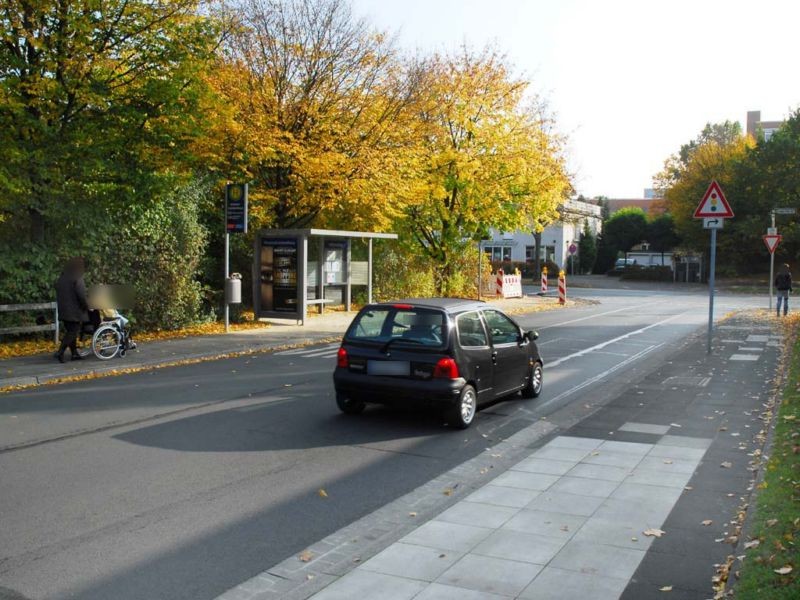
[180,483]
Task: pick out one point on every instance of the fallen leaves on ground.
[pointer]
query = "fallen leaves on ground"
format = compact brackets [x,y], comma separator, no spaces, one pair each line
[751,544]
[305,556]
[41,346]
[784,570]
[322,493]
[726,465]
[653,532]
[666,588]
[706,523]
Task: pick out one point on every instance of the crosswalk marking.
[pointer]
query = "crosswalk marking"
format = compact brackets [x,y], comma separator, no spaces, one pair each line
[328,351]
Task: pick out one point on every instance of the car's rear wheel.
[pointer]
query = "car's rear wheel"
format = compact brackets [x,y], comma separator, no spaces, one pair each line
[349,406]
[462,414]
[534,387]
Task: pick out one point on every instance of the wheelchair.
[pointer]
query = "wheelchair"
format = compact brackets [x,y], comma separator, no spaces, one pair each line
[106,335]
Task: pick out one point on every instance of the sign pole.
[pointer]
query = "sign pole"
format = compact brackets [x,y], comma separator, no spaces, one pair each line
[713,209]
[711,276]
[235,222]
[771,264]
[227,274]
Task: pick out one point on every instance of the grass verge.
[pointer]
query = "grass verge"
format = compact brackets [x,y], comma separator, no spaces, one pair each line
[771,569]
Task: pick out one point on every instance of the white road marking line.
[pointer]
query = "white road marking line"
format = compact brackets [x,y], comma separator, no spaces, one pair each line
[750,357]
[757,338]
[611,341]
[600,376]
[610,312]
[306,350]
[318,353]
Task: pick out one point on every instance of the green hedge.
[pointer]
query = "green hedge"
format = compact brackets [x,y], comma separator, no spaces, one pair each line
[637,273]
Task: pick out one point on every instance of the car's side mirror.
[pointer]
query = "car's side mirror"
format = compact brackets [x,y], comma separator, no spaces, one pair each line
[532,335]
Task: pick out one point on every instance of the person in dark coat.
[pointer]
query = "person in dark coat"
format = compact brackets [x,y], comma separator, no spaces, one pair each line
[73,309]
[783,283]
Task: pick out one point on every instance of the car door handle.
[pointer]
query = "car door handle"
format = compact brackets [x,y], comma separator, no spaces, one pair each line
[494,357]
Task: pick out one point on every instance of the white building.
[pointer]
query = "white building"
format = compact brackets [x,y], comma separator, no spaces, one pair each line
[554,240]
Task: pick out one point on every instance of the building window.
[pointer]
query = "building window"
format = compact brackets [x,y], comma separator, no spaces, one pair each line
[530,253]
[498,253]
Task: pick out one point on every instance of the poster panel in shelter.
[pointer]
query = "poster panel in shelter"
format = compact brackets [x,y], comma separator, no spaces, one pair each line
[279,275]
[335,255]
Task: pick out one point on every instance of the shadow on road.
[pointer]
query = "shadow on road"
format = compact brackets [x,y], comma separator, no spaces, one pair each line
[274,425]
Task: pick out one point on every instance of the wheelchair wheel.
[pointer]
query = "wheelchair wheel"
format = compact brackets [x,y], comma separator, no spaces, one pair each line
[106,342]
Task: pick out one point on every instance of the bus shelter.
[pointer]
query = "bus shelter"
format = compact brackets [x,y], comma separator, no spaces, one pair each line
[294,269]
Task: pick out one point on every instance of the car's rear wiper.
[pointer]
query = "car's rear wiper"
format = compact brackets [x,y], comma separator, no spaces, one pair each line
[385,347]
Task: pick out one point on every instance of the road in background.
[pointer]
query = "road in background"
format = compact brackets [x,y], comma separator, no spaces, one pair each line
[180,483]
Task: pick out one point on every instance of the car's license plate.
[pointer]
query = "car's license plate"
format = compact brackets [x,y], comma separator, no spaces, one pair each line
[399,368]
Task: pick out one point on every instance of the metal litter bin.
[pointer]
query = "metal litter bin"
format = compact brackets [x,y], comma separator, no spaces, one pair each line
[233,289]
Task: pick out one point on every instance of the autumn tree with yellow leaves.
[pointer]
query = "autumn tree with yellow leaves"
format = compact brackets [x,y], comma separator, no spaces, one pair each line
[716,153]
[485,157]
[313,100]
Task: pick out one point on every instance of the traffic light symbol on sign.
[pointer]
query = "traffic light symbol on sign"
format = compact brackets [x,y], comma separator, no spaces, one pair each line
[713,204]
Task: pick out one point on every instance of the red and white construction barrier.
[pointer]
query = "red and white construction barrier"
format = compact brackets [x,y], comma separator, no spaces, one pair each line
[509,286]
[544,280]
[562,288]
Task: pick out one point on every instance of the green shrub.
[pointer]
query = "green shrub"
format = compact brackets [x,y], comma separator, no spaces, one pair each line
[152,246]
[400,274]
[27,274]
[156,251]
[637,273]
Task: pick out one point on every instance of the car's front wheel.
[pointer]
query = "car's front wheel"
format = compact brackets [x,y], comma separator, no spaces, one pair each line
[349,406]
[534,387]
[462,414]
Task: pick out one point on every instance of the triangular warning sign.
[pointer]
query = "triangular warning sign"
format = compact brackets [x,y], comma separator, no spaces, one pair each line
[772,242]
[713,204]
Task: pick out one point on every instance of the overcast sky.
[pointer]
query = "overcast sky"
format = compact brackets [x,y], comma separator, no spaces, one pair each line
[629,81]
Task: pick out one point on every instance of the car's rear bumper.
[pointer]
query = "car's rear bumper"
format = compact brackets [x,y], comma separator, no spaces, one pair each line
[390,390]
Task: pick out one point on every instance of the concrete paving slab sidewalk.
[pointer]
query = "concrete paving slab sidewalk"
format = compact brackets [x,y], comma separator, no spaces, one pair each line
[601,510]
[43,368]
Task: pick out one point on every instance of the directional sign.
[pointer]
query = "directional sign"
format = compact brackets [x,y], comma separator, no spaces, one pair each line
[772,242]
[784,211]
[713,204]
[715,223]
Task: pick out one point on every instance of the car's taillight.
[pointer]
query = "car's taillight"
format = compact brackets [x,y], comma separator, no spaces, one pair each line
[341,359]
[446,368]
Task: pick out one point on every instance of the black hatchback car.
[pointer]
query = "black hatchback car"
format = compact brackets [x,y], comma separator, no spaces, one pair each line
[446,352]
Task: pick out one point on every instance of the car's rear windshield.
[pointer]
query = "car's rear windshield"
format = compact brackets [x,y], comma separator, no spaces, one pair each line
[407,325]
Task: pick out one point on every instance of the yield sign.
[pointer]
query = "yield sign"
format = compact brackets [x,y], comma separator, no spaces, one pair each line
[772,242]
[713,204]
